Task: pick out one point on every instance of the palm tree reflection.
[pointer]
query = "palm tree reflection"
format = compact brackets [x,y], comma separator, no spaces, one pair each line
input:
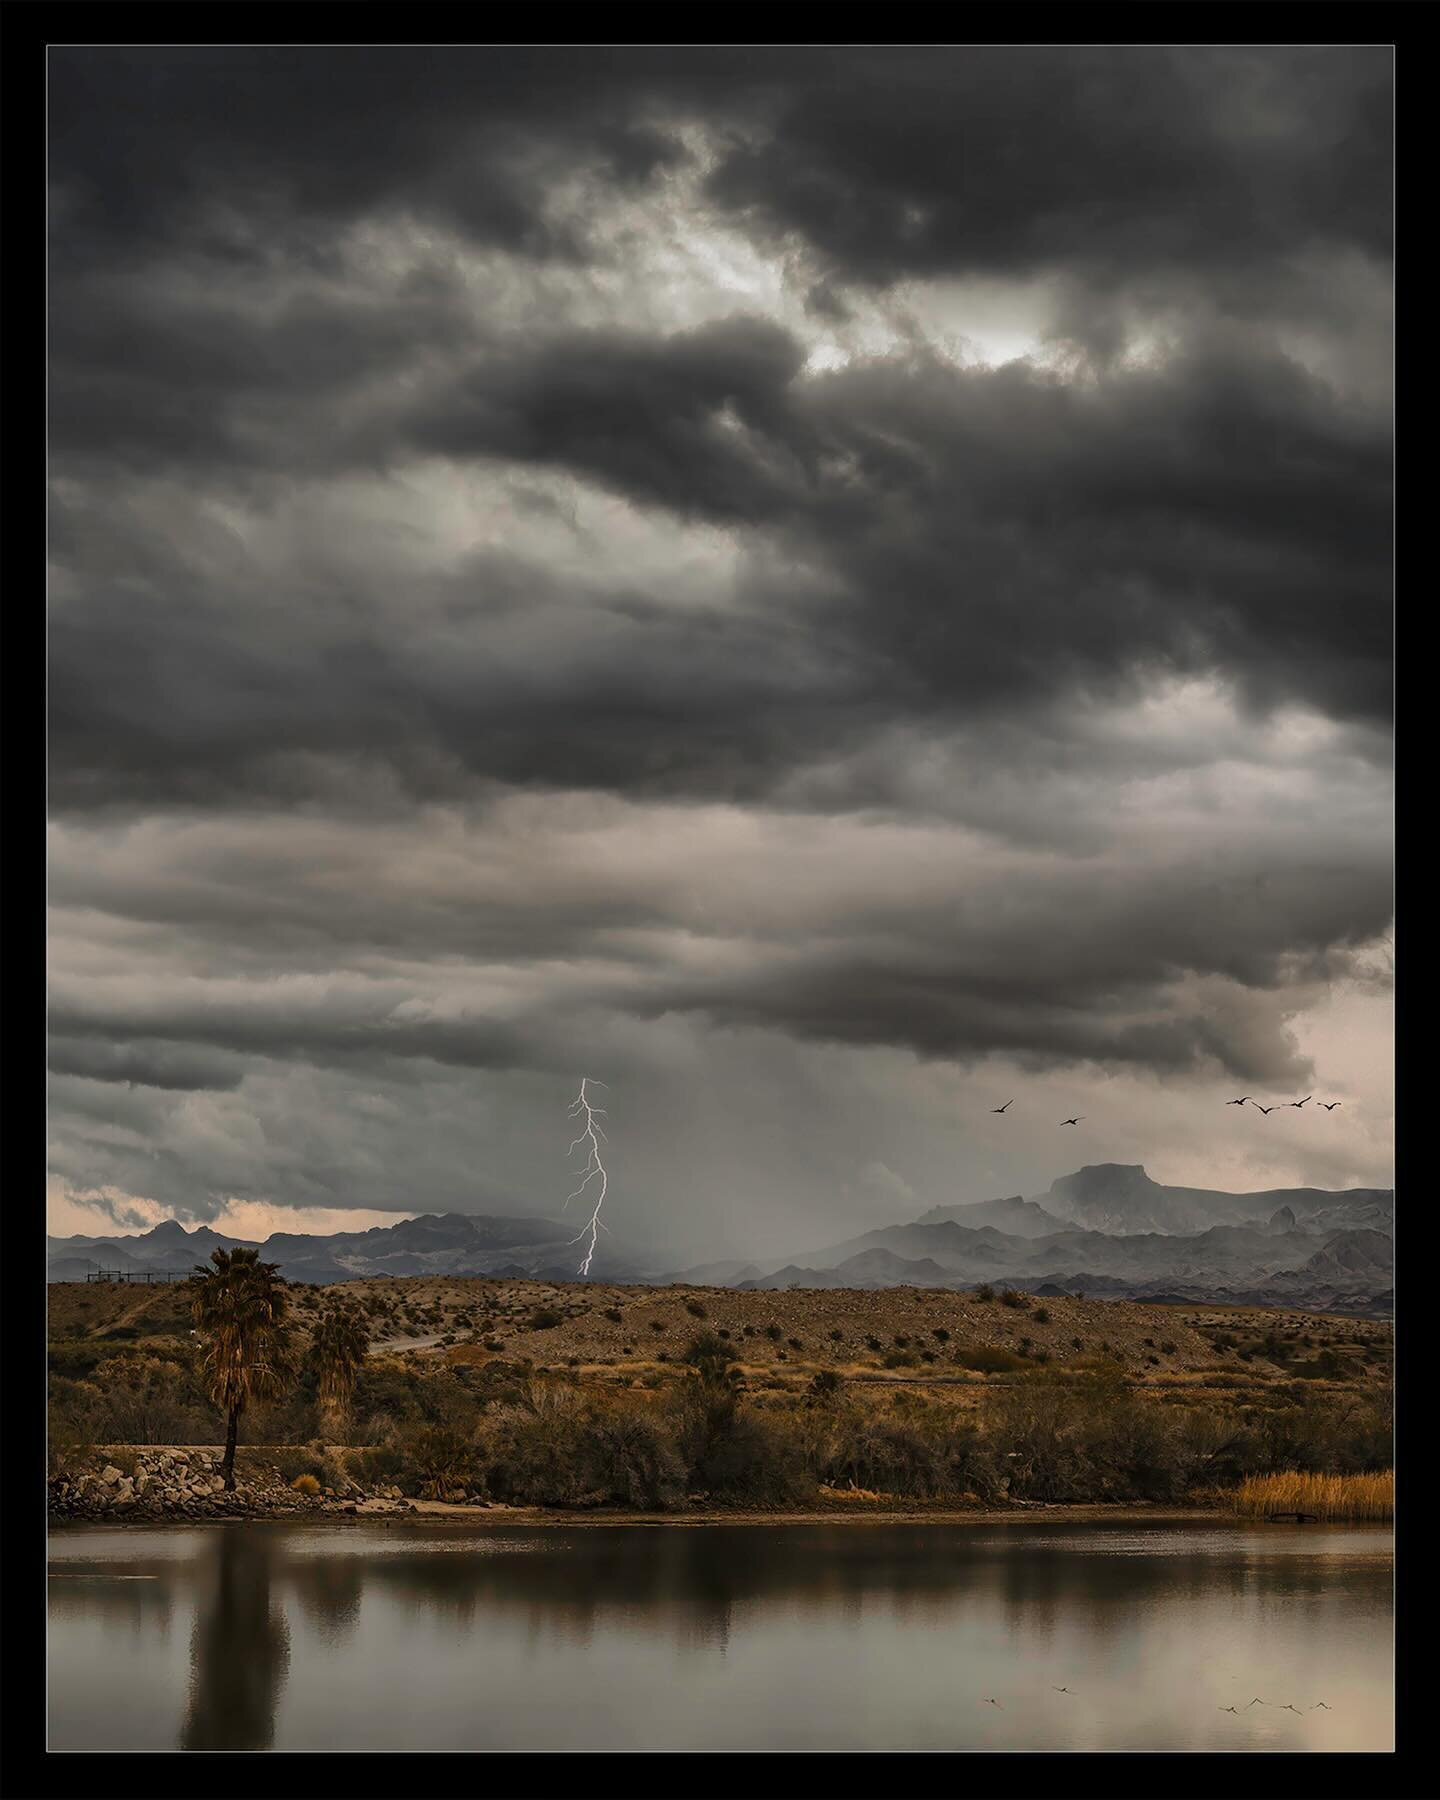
[239,1651]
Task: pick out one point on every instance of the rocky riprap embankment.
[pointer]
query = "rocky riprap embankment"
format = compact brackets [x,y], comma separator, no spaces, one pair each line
[187,1484]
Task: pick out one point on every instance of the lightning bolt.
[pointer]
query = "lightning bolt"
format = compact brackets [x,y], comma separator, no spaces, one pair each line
[593,1136]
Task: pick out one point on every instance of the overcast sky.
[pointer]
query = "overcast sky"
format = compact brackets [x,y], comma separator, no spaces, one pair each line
[826,589]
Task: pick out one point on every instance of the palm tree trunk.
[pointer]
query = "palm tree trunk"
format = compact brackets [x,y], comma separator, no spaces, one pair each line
[227,1468]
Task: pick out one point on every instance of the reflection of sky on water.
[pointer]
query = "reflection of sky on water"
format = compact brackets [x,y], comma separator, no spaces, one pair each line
[791,1637]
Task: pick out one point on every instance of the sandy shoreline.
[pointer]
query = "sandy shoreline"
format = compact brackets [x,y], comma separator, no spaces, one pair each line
[435,1512]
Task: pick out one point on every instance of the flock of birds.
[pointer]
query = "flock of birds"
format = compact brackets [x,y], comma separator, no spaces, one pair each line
[1249,1099]
[1319,1705]
[1244,1100]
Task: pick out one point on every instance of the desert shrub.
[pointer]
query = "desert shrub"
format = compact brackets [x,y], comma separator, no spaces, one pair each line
[296,1464]
[987,1359]
[749,1331]
[442,1457]
[901,1359]
[657,1324]
[613,1314]
[922,1452]
[306,1484]
[795,1343]
[1016,1301]
[1167,1347]
[984,1292]
[696,1309]
[901,1342]
[722,1333]
[873,1343]
[545,1318]
[135,1397]
[774,1333]
[1077,1343]
[1042,1315]
[756,1461]
[825,1387]
[559,1449]
[708,1355]
[383,1465]
[836,1336]
[940,1335]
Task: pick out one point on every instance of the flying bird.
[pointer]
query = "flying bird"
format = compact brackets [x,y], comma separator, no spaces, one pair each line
[1267,1110]
[1319,1703]
[1298,1103]
[1240,1102]
[1234,1709]
[990,1702]
[1072,1121]
[1002,1108]
[1060,1690]
[1287,1707]
[1329,1106]
[1257,1701]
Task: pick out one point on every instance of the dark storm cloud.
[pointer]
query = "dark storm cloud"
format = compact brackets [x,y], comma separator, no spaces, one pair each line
[395,488]
[890,161]
[1220,511]
[1100,162]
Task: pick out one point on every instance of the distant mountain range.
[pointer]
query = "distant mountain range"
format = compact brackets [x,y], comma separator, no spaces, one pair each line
[443,1244]
[1110,1229]
[1107,1229]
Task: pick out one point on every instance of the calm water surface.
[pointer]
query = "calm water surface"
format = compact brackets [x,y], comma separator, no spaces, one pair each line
[415,1637]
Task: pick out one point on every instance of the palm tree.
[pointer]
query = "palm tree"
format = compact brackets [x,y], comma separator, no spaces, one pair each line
[338,1350]
[240,1307]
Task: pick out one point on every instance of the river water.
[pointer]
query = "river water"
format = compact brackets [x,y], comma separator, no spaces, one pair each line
[412,1637]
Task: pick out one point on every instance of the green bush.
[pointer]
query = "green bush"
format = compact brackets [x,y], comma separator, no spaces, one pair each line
[545,1318]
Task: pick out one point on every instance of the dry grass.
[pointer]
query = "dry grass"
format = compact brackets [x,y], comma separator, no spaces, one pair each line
[1367,1497]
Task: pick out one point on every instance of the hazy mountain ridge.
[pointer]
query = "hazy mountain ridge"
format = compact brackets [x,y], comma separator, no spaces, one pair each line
[1293,1246]
[1110,1228]
[435,1244]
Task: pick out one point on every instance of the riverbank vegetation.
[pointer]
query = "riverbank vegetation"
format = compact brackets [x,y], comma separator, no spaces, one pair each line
[1366,1498]
[701,1424]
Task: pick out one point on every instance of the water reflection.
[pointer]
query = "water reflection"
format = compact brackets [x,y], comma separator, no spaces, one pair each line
[239,1650]
[422,1637]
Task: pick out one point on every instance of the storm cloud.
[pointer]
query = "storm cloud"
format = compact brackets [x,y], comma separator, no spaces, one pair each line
[856,573]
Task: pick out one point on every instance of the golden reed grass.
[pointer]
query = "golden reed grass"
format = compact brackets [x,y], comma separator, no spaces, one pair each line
[1362,1497]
